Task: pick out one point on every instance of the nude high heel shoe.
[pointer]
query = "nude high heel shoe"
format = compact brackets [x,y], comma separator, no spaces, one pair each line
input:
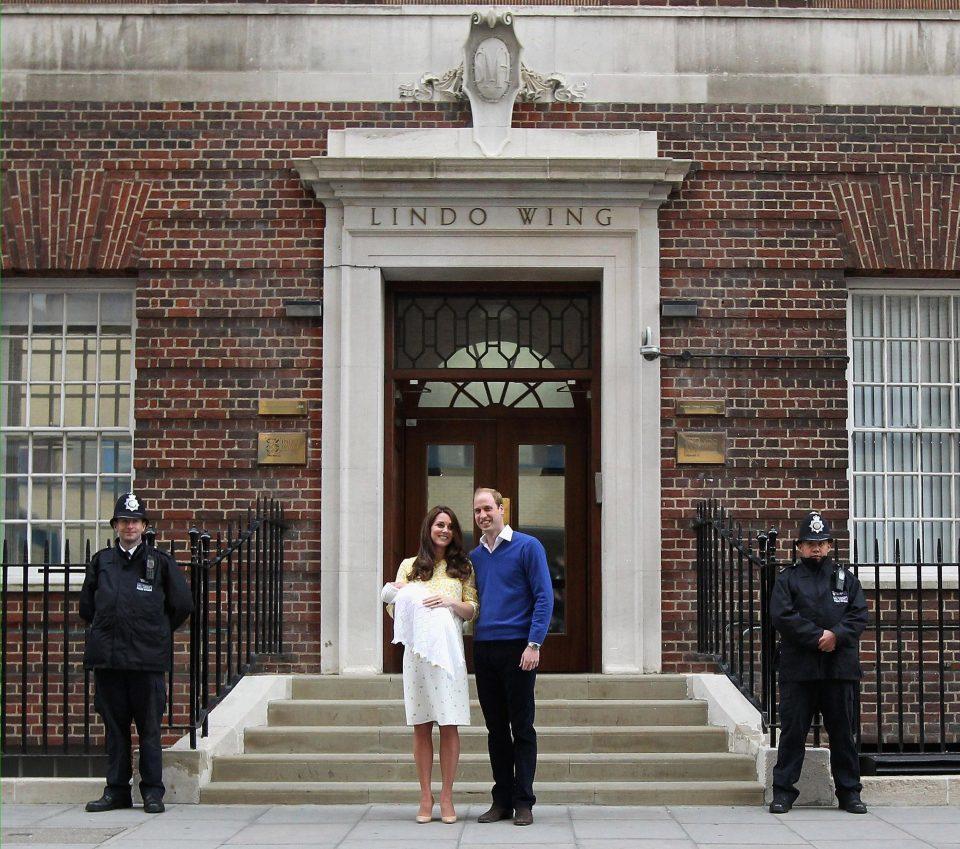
[447,818]
[423,818]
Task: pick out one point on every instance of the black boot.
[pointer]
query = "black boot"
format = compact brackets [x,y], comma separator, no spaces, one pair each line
[153,805]
[780,805]
[853,805]
[109,801]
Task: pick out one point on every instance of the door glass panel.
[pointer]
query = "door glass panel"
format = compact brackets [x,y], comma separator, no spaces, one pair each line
[549,394]
[541,497]
[450,475]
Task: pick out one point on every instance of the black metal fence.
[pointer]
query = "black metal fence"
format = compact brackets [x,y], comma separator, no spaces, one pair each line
[47,705]
[734,577]
[910,693]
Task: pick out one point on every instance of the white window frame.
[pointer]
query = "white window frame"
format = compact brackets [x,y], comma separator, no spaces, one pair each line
[53,286]
[908,575]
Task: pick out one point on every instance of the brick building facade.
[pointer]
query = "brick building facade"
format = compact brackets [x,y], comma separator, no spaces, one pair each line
[788,209]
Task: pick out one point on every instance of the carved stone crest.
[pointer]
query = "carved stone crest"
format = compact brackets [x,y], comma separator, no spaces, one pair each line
[491,69]
[492,77]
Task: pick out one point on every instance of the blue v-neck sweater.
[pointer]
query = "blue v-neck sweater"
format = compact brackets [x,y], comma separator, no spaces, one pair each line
[516,594]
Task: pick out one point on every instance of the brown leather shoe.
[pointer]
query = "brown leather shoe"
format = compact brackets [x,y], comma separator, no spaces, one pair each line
[523,816]
[495,814]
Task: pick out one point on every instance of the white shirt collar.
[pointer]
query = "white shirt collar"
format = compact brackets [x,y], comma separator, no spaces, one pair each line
[128,551]
[505,534]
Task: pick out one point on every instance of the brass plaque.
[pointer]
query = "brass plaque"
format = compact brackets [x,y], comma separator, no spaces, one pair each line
[701,448]
[282,407]
[282,448]
[701,408]
[506,511]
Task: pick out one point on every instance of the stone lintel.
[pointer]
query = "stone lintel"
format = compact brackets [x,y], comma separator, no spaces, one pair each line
[619,181]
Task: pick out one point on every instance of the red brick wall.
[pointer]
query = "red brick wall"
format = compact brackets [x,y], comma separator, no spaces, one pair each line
[782,204]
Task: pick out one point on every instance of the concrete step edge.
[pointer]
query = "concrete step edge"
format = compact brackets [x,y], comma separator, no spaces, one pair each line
[556,730]
[541,703]
[484,786]
[544,676]
[587,793]
[481,757]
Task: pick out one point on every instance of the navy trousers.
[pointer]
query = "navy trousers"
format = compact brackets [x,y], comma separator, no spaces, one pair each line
[506,695]
[837,702]
[124,696]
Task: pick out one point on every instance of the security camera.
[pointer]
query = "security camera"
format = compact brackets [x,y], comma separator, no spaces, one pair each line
[647,348]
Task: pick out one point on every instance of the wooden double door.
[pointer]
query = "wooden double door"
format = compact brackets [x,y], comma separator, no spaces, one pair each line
[539,463]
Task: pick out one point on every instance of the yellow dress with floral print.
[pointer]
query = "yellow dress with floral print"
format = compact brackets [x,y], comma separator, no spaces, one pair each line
[430,694]
[442,584]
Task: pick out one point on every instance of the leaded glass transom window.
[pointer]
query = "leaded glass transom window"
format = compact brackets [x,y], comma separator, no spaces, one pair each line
[512,394]
[66,383]
[488,332]
[905,422]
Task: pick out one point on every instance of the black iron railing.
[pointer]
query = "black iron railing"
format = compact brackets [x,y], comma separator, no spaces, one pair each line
[47,704]
[909,721]
[735,574]
[237,585]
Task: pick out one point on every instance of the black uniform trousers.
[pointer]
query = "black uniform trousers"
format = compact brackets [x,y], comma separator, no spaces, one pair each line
[506,695]
[124,696]
[837,702]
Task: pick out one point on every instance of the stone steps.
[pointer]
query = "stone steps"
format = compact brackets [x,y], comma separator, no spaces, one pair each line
[473,738]
[469,792]
[610,740]
[582,712]
[548,687]
[476,767]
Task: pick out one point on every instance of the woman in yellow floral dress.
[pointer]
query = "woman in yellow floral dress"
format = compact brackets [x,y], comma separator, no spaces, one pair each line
[441,578]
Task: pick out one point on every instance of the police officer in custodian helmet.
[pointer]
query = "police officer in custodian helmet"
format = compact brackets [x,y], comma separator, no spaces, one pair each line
[819,610]
[134,597]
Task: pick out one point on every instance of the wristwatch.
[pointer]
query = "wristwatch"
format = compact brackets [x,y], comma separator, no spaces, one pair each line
[534,646]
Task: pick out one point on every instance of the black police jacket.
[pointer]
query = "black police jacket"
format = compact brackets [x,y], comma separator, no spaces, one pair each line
[132,618]
[804,603]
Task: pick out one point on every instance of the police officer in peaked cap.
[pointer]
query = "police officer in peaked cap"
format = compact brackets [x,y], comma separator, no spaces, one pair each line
[134,597]
[819,610]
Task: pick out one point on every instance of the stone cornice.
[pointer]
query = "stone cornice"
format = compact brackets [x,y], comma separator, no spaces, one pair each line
[363,54]
[610,180]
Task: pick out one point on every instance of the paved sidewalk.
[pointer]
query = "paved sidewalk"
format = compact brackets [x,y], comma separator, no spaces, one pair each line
[557,827]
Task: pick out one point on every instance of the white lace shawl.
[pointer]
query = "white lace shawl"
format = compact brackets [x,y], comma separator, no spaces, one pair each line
[433,633]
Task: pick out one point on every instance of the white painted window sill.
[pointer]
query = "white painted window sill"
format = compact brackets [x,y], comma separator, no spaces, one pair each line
[908,577]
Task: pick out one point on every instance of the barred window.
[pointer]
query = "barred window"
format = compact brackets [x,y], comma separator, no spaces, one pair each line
[66,378]
[905,421]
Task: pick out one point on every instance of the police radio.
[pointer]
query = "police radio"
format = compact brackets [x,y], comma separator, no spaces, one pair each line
[839,579]
[151,570]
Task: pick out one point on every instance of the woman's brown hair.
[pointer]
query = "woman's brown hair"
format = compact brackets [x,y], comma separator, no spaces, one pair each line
[458,563]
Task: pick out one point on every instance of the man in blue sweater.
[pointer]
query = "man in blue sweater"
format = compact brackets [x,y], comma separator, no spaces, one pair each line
[516,603]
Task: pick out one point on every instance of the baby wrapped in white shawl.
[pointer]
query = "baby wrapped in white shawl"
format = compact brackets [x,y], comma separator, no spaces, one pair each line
[433,633]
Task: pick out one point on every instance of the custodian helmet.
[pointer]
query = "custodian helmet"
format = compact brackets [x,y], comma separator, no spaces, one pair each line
[129,506]
[814,528]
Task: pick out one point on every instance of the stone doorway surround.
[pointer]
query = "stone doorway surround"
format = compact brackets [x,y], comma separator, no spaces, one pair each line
[426,205]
